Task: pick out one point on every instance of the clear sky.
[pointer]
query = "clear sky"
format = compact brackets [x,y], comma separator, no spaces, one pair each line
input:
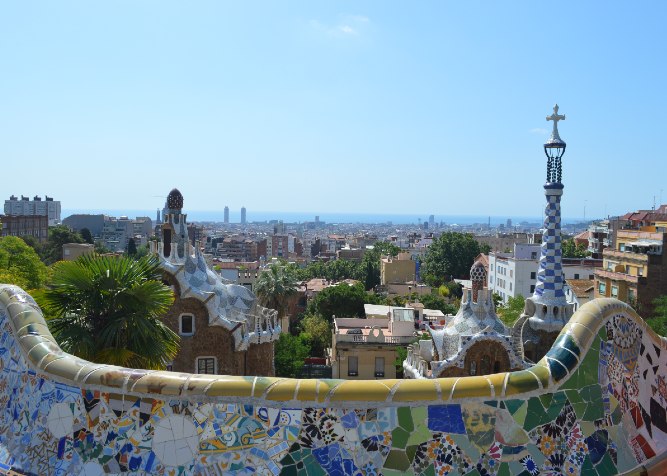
[385,107]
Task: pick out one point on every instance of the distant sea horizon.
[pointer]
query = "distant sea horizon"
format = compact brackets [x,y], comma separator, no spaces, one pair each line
[338,217]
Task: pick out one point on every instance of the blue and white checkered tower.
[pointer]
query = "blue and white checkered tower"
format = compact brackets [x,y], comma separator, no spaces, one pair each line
[551,308]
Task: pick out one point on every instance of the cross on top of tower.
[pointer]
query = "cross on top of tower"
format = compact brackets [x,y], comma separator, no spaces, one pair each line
[555,137]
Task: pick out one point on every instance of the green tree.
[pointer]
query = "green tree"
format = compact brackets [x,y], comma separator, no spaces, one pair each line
[275,286]
[131,247]
[511,310]
[87,236]
[449,256]
[485,248]
[142,251]
[572,250]
[20,265]
[317,331]
[108,309]
[659,320]
[370,264]
[33,243]
[342,300]
[291,352]
[58,236]
[401,355]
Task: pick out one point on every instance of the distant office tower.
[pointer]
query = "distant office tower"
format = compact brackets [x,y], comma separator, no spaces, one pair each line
[242,215]
[35,207]
[509,223]
[226,214]
[431,221]
[317,219]
[159,220]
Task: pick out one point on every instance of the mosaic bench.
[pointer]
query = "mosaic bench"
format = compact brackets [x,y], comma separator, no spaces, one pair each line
[594,405]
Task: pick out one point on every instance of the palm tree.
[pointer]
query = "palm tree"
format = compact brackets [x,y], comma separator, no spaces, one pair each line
[275,286]
[107,309]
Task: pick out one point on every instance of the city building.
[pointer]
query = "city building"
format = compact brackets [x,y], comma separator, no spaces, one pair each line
[72,251]
[226,214]
[222,327]
[365,349]
[35,207]
[634,270]
[397,270]
[243,216]
[579,291]
[79,221]
[36,226]
[513,274]
[598,238]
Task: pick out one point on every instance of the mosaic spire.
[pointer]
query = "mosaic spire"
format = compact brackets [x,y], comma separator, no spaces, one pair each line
[549,287]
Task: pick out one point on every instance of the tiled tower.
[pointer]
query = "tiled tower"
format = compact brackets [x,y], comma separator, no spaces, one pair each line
[547,310]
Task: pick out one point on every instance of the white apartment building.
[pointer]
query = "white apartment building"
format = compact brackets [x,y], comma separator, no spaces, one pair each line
[511,274]
[36,207]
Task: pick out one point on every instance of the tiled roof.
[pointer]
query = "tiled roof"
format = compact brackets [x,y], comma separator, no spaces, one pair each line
[581,287]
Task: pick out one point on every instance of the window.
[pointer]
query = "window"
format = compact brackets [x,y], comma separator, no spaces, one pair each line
[532,275]
[491,267]
[533,255]
[511,273]
[602,288]
[614,291]
[352,366]
[186,324]
[576,275]
[532,288]
[591,276]
[379,366]
[206,365]
[510,285]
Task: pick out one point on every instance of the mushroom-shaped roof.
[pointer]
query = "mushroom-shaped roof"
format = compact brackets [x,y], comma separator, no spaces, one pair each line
[175,200]
[478,272]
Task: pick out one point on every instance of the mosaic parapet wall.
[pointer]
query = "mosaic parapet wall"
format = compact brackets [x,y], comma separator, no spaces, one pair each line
[594,405]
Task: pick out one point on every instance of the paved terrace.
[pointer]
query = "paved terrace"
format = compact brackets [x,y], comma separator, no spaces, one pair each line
[594,405]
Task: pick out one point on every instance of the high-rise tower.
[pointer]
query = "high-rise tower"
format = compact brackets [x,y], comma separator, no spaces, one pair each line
[242,215]
[226,214]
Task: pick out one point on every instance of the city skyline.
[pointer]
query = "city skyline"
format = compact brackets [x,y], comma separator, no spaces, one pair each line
[333,106]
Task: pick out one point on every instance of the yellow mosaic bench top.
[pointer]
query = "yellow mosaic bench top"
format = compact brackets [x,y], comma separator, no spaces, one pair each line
[42,351]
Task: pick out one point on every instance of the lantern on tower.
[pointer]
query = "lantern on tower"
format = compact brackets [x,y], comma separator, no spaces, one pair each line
[554,148]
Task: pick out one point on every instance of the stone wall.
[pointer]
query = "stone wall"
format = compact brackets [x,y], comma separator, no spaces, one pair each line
[595,405]
[213,341]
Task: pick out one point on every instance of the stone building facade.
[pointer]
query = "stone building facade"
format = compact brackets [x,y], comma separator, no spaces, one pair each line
[223,330]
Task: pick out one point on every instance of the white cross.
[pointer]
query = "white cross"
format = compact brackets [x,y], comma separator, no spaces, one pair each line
[556,117]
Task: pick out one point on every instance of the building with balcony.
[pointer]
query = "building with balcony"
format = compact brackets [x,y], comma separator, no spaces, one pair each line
[635,271]
[598,239]
[365,349]
[36,226]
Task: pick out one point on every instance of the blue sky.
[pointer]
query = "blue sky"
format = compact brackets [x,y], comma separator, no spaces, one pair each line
[383,107]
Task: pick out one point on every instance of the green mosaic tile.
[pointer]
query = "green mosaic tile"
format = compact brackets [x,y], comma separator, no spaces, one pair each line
[287,460]
[399,438]
[595,411]
[410,452]
[474,472]
[580,409]
[566,341]
[606,466]
[289,470]
[405,418]
[587,428]
[616,416]
[397,459]
[430,471]
[546,399]
[520,415]
[537,455]
[573,396]
[313,467]
[516,468]
[513,405]
[602,334]
[392,472]
[535,414]
[419,435]
[558,402]
[591,393]
[520,382]
[491,403]
[558,370]
[504,470]
[470,450]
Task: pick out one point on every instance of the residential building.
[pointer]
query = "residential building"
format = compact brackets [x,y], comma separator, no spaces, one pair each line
[511,274]
[365,349]
[579,291]
[94,223]
[72,251]
[397,270]
[35,207]
[36,226]
[635,269]
[598,239]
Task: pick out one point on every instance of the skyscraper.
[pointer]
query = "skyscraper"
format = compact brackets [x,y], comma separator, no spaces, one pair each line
[226,214]
[242,215]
